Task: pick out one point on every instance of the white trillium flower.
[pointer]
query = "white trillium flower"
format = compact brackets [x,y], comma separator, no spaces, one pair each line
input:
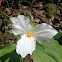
[29,36]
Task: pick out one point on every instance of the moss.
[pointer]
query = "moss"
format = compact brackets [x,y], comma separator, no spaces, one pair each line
[50,10]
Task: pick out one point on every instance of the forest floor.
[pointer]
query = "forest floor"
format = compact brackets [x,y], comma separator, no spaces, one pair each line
[37,11]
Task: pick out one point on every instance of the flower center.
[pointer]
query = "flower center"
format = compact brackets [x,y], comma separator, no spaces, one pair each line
[29,34]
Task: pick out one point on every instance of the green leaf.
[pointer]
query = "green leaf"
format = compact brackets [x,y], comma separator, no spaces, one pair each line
[6,49]
[57,37]
[8,54]
[29,15]
[18,37]
[52,52]
[33,24]
[45,52]
[10,33]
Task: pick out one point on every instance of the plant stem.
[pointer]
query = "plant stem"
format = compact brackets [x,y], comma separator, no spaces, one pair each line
[5,14]
[22,60]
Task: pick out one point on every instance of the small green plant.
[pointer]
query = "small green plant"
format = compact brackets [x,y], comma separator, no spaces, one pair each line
[50,10]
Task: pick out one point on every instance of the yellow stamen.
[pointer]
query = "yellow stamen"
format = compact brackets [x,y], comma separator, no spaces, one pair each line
[29,34]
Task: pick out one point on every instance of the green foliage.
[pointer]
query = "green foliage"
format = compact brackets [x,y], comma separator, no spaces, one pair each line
[6,38]
[32,23]
[5,21]
[18,37]
[10,33]
[45,52]
[52,52]
[29,14]
[50,10]
[57,37]
[4,24]
[8,54]
[6,49]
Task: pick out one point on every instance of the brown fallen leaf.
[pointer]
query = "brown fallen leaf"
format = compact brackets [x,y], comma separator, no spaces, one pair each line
[1,8]
[36,20]
[60,22]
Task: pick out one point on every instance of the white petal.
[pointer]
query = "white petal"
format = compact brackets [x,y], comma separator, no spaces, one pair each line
[25,22]
[44,32]
[25,46]
[20,24]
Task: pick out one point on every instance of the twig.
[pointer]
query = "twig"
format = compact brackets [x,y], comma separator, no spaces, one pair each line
[22,59]
[5,14]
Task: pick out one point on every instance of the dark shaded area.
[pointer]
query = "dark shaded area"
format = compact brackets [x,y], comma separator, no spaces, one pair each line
[58,37]
[13,57]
